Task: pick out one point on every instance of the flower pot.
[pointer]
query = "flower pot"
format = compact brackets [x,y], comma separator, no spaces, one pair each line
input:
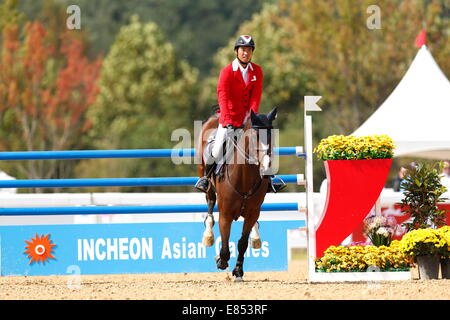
[445,268]
[428,266]
[353,188]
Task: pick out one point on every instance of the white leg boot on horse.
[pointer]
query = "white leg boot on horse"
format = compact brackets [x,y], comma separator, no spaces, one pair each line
[208,234]
[255,238]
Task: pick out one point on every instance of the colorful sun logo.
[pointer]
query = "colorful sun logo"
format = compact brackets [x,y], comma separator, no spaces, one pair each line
[39,249]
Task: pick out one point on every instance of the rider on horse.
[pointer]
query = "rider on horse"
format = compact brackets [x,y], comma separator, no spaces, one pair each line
[239,90]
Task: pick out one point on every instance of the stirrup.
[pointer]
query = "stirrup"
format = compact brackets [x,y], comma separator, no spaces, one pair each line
[276,187]
[202,184]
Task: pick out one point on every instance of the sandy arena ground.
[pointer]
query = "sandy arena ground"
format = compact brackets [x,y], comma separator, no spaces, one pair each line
[281,285]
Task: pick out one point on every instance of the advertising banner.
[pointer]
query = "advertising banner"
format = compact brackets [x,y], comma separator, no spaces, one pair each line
[133,248]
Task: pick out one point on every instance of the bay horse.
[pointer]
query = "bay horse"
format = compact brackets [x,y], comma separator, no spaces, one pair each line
[241,186]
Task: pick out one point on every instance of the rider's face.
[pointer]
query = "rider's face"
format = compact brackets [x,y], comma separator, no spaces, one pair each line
[245,54]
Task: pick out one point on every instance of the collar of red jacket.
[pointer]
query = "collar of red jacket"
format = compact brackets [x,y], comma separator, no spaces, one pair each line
[235,65]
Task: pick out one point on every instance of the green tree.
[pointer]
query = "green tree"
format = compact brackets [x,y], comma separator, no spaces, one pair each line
[45,90]
[354,67]
[9,14]
[145,94]
[196,29]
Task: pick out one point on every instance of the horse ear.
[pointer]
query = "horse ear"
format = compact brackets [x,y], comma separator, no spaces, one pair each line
[272,114]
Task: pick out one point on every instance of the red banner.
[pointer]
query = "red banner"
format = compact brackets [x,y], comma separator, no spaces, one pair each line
[353,188]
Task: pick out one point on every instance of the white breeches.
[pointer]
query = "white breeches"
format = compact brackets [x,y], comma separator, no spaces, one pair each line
[218,141]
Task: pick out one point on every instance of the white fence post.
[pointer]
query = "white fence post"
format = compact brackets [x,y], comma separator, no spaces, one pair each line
[310,221]
[310,105]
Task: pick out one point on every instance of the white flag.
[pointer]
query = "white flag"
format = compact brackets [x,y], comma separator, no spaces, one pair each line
[310,103]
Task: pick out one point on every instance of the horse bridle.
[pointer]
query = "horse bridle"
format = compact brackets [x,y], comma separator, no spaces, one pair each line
[255,188]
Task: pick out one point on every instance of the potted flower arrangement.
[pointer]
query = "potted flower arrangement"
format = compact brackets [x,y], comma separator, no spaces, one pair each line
[380,229]
[445,254]
[426,247]
[357,169]
[422,193]
[340,147]
[359,258]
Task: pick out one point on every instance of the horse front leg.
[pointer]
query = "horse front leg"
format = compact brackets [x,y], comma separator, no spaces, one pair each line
[224,255]
[238,270]
[208,234]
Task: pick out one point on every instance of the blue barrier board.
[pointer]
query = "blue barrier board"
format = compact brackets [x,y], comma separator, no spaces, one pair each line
[173,247]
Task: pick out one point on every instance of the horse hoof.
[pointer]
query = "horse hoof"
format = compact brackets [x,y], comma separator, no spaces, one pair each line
[222,265]
[238,279]
[208,241]
[255,243]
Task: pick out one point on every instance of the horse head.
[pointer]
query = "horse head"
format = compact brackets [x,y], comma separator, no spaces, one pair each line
[263,121]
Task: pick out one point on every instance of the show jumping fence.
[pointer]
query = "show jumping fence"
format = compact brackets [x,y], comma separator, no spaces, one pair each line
[121,182]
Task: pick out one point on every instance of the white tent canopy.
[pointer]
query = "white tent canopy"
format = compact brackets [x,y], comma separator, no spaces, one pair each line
[417,113]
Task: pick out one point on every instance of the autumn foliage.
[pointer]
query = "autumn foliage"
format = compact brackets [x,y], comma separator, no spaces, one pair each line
[46,87]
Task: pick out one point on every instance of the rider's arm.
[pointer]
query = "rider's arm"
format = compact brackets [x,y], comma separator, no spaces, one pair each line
[224,96]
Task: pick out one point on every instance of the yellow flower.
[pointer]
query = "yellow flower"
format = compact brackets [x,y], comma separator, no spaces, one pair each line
[350,147]
[359,258]
[423,241]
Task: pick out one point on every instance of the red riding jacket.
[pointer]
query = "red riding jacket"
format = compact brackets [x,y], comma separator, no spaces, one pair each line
[235,97]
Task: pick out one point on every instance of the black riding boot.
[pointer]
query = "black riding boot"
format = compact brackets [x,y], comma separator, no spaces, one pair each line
[203,183]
